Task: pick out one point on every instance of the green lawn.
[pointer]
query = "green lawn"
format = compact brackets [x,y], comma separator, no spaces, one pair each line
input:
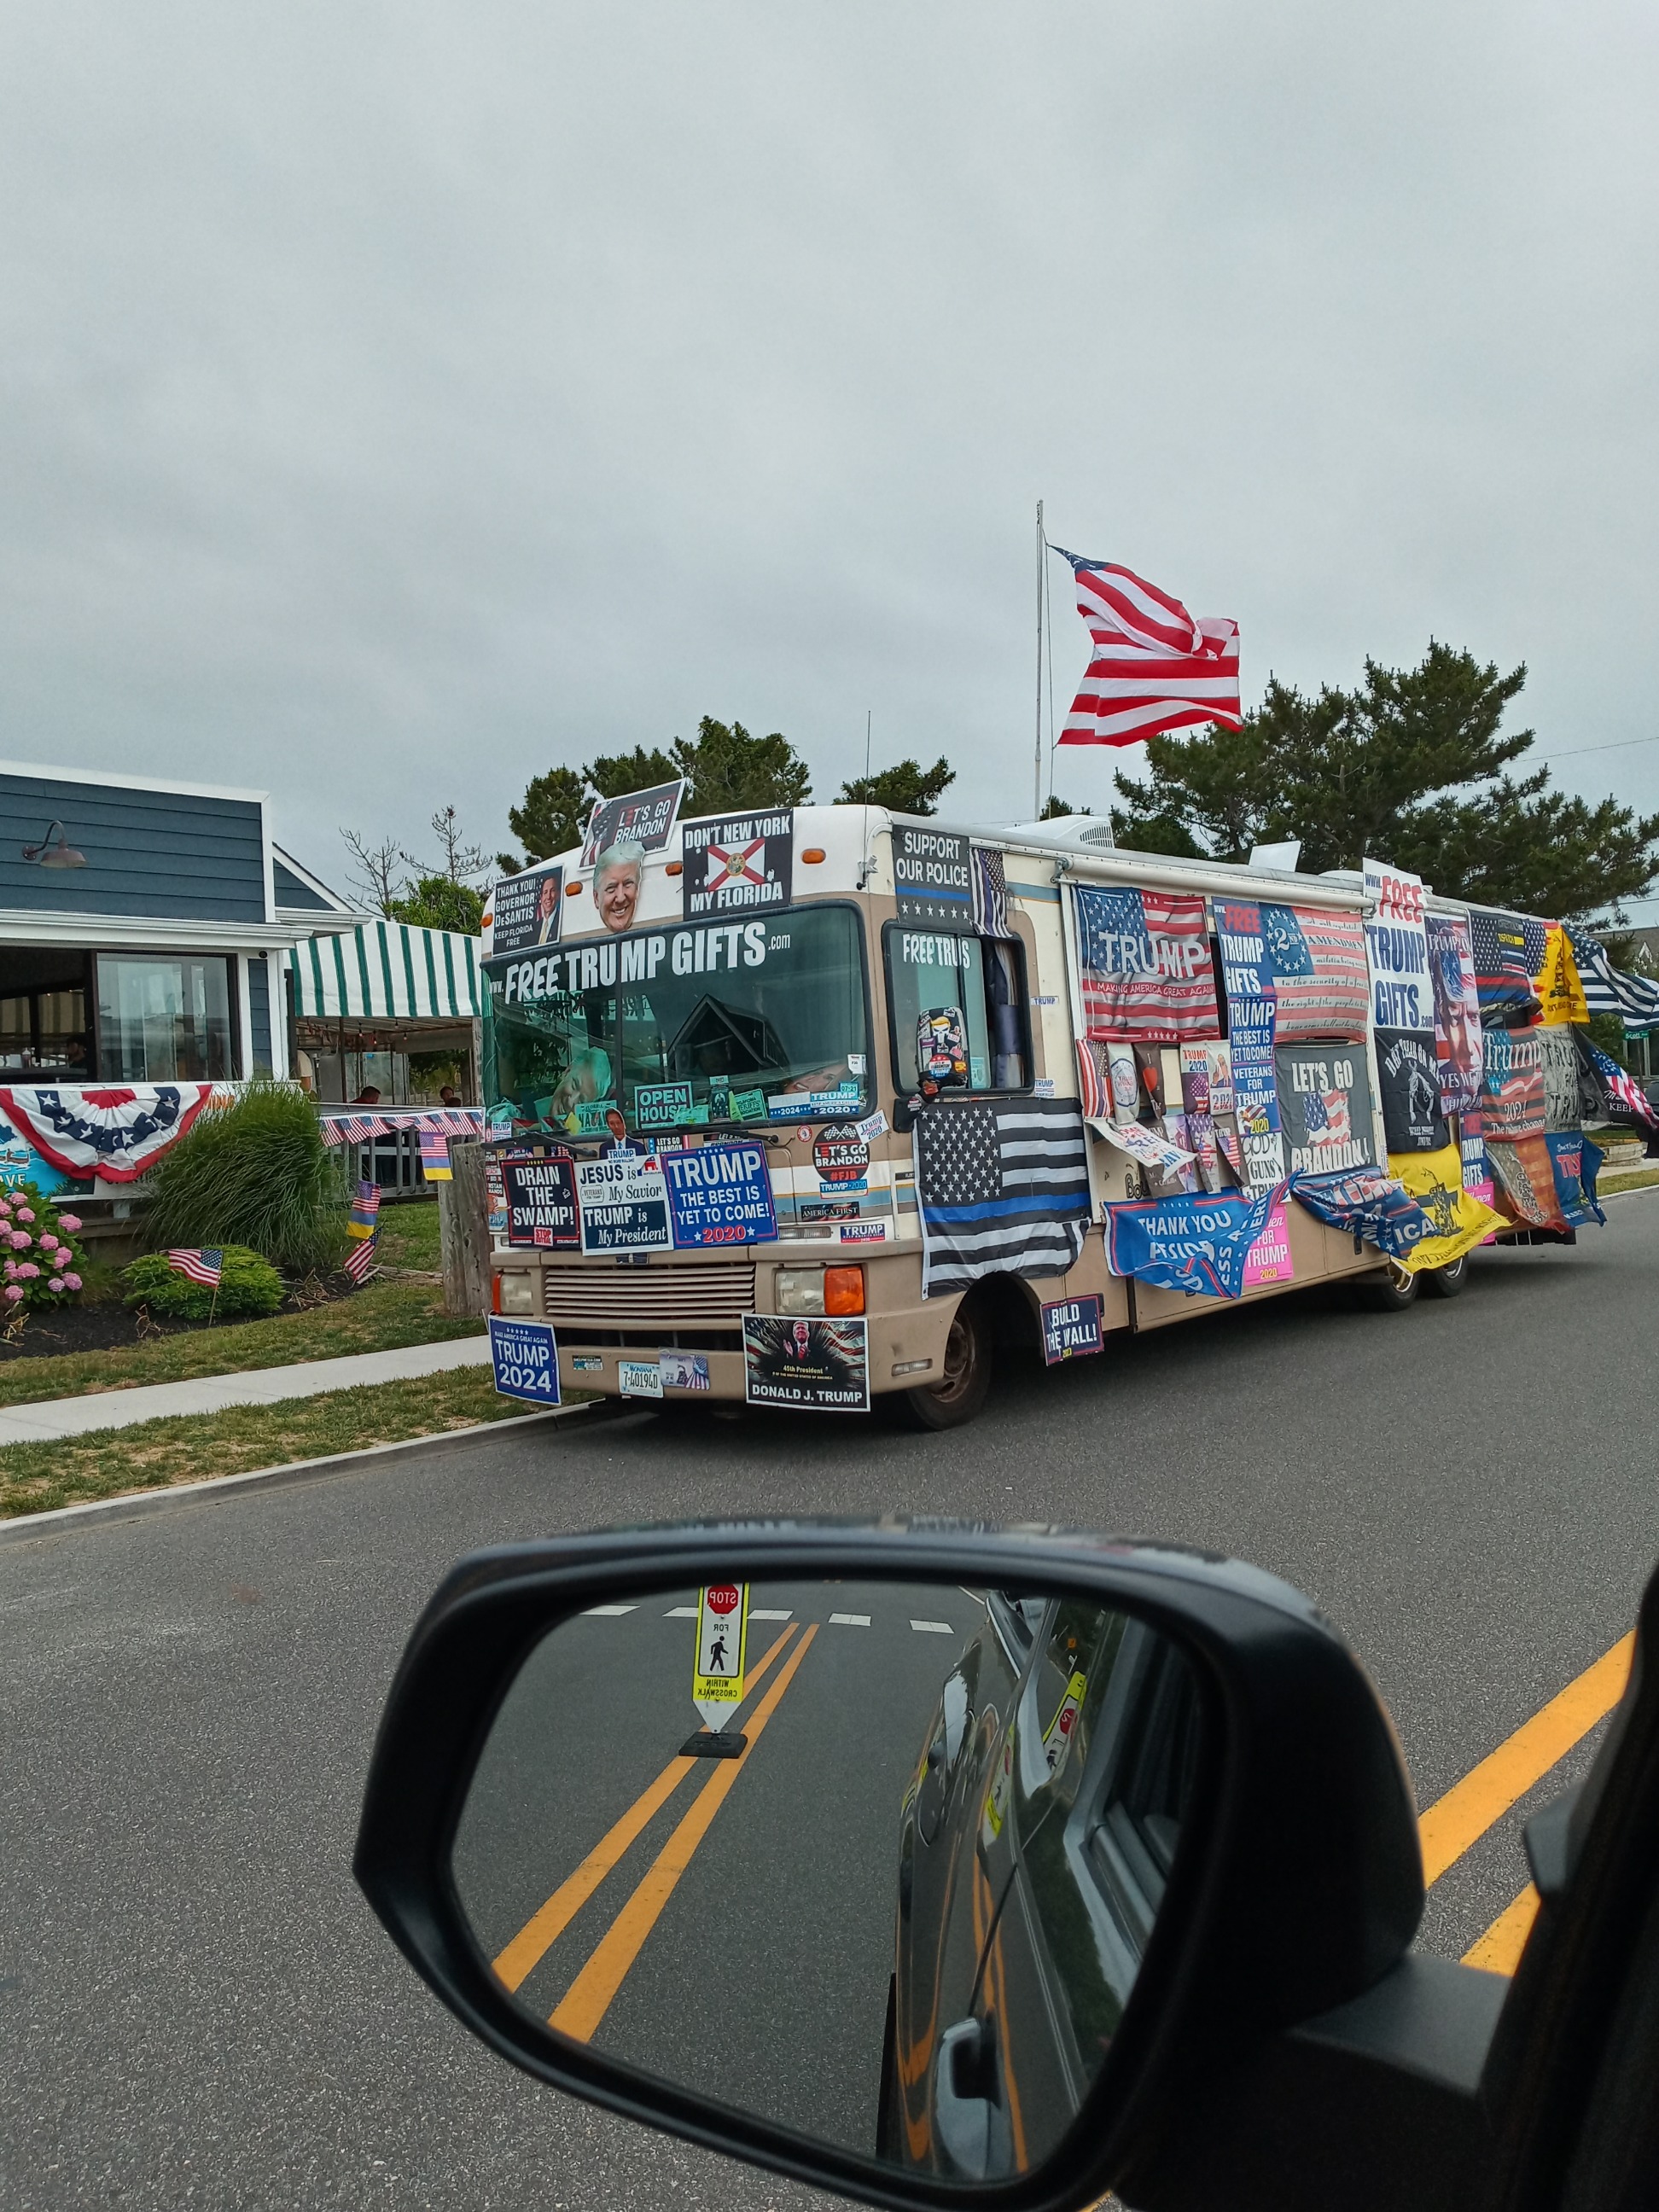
[1634,1179]
[37,1477]
[375,1319]
[409,1236]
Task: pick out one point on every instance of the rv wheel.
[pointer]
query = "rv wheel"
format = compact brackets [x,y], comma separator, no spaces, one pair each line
[1394,1290]
[961,1391]
[1447,1282]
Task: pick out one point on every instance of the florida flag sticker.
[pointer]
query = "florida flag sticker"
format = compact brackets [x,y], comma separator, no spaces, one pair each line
[738,863]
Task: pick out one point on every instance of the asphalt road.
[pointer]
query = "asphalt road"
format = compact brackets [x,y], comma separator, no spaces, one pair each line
[195,2006]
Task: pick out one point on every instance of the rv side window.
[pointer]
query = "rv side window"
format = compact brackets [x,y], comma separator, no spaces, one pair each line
[930,970]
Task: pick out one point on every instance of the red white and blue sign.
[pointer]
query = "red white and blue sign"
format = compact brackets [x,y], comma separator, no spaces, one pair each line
[1071,1328]
[526,1359]
[720,1194]
[111,1130]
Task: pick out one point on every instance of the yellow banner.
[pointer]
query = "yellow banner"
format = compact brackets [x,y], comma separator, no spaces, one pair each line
[1435,1179]
[1558,986]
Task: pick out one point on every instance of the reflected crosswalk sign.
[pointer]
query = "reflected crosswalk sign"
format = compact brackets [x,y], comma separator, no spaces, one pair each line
[722,1635]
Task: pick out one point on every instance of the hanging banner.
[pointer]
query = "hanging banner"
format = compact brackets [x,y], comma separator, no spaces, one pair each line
[1206,1079]
[1523,1177]
[1560,991]
[1144,972]
[1409,1076]
[1458,1220]
[645,818]
[1366,1203]
[1457,1038]
[1252,1031]
[1199,1244]
[720,1194]
[1512,1085]
[1508,952]
[1558,1050]
[1325,1108]
[732,862]
[540,1197]
[1316,961]
[1402,1010]
[1575,1163]
[112,1131]
[1472,1144]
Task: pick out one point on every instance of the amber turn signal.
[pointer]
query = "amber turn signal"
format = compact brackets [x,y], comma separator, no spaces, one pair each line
[813,855]
[675,868]
[844,1289]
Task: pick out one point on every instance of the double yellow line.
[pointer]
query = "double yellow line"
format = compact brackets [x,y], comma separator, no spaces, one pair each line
[1457,1821]
[584,2004]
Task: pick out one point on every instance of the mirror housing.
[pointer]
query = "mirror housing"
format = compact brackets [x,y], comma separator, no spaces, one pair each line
[1306,1890]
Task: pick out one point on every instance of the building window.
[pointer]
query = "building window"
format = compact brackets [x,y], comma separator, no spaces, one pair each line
[162,1019]
[43,1014]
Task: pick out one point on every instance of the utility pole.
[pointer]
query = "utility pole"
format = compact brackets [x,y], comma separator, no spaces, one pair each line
[1042,578]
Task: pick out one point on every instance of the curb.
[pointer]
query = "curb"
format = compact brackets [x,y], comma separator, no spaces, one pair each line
[20,1528]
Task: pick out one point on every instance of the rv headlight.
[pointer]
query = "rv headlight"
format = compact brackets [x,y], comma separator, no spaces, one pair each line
[518,1292]
[800,1290]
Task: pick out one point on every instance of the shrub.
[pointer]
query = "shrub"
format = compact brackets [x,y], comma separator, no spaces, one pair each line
[248,1285]
[43,1259]
[256,1173]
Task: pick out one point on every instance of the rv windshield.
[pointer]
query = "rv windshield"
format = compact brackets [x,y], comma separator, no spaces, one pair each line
[719,1021]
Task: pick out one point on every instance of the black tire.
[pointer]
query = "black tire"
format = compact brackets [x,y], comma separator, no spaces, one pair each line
[1394,1290]
[959,1395]
[1447,1282]
[890,2138]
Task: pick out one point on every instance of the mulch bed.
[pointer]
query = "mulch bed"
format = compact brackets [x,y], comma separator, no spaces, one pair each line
[108,1326]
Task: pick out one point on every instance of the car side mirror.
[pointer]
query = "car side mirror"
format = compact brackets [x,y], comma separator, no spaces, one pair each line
[909,1861]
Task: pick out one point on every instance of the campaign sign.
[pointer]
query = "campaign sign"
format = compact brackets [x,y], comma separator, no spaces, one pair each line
[526,1359]
[1071,1327]
[932,877]
[733,861]
[821,1366]
[623,1202]
[720,1194]
[541,1204]
[527,909]
[645,818]
[840,1153]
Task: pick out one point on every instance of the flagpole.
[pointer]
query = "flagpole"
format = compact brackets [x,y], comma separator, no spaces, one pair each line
[1036,803]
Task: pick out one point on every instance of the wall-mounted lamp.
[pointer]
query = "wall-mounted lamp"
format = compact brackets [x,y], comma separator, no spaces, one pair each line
[60,855]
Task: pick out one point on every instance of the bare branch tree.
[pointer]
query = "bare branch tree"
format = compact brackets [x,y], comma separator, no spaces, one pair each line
[379,872]
[459,862]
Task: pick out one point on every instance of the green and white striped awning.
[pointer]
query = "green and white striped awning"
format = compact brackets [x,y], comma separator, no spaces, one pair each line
[386,971]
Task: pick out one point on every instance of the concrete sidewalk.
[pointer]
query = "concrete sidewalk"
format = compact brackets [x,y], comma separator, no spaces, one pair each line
[210,1394]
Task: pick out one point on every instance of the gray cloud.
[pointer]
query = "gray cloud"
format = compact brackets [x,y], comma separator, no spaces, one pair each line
[396,400]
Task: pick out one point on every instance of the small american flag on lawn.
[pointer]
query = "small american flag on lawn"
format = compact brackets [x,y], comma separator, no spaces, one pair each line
[360,1261]
[1001,1188]
[202,1266]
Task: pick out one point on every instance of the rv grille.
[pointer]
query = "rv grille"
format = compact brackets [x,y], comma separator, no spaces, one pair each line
[635,1298]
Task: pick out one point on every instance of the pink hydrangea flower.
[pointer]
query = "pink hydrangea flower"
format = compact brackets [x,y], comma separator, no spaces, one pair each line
[48,1242]
[55,1283]
[71,1281]
[70,1221]
[25,1214]
[28,1270]
[21,1240]
[14,1290]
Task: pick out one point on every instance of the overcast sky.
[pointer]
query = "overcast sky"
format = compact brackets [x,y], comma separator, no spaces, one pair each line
[397,400]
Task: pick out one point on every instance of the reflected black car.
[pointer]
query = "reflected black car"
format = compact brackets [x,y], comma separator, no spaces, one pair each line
[1036,1838]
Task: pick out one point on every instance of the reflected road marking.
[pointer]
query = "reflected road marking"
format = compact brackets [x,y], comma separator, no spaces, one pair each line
[585,2004]
[539,1933]
[933,1628]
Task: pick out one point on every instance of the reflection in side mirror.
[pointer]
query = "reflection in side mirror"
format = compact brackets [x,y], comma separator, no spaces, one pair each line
[878,1862]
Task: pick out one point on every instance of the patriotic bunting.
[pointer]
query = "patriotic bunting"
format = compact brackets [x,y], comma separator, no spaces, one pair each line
[112,1131]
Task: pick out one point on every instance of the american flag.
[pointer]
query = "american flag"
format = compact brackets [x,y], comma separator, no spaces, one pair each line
[359,1260]
[1002,1189]
[204,1266]
[1321,986]
[1154,668]
[1326,1118]
[1093,1091]
[1618,1084]
[1508,952]
[1147,971]
[990,894]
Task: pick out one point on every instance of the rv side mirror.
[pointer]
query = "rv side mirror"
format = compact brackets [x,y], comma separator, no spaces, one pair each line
[916,1862]
[942,1049]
